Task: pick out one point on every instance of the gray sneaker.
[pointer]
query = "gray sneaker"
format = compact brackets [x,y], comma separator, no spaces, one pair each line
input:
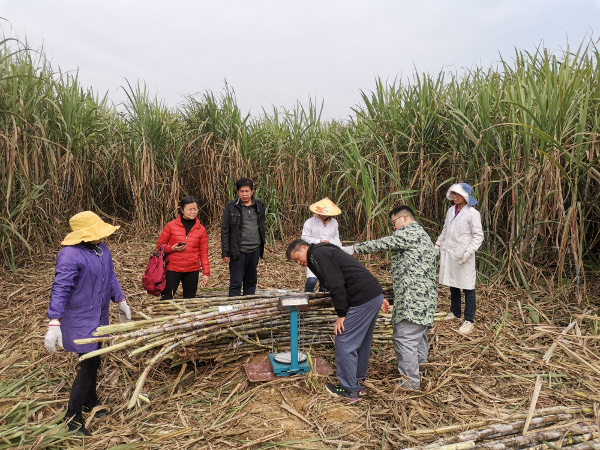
[466,327]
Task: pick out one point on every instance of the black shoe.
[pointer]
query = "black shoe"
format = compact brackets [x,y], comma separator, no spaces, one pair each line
[341,392]
[102,412]
[77,426]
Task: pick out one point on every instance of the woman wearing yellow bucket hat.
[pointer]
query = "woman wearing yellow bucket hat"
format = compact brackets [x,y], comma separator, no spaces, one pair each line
[84,284]
[322,227]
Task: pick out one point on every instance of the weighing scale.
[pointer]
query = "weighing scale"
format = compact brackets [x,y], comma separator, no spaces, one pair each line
[292,362]
[289,363]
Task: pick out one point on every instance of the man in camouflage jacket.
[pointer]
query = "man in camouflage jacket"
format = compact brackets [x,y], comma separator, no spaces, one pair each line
[415,290]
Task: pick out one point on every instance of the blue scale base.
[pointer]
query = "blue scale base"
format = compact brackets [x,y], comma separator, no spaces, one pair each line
[284,370]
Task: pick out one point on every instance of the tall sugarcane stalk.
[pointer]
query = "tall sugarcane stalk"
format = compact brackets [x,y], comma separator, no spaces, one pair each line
[531,126]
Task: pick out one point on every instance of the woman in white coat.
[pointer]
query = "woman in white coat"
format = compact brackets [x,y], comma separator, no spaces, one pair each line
[460,239]
[322,227]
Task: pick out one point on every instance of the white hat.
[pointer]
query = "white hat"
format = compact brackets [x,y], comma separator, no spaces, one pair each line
[464,190]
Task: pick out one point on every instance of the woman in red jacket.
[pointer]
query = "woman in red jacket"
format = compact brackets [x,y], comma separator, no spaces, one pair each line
[187,246]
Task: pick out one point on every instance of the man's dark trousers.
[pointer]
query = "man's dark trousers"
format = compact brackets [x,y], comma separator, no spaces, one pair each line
[242,273]
[353,346]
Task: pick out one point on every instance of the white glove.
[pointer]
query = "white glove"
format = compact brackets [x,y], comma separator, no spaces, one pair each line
[466,257]
[349,249]
[53,335]
[124,312]
[437,250]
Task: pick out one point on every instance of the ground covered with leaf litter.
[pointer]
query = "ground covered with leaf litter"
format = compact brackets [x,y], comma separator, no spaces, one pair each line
[527,356]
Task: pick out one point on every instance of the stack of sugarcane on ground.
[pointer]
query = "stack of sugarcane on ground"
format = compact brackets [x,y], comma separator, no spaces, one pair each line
[550,428]
[217,326]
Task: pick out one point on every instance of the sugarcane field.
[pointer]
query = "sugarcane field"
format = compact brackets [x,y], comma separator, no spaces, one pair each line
[423,274]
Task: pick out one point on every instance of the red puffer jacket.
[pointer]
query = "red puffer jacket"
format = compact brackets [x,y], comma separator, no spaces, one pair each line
[196,249]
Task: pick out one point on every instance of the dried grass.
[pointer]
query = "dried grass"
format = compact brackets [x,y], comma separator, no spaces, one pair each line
[471,382]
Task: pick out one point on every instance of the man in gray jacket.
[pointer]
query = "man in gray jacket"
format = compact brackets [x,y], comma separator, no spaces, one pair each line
[243,238]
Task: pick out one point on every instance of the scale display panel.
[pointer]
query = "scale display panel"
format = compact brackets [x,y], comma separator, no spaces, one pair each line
[294,301]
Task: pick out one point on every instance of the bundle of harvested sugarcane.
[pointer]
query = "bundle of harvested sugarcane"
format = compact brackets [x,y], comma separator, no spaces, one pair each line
[567,425]
[186,328]
[162,307]
[223,323]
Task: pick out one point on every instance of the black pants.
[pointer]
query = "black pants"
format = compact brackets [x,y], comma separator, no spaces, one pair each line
[455,303]
[189,281]
[83,391]
[242,273]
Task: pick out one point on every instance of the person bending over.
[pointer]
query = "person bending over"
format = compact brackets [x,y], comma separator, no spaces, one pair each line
[357,298]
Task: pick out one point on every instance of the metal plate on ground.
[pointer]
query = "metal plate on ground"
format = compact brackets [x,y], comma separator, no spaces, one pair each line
[262,371]
[286,357]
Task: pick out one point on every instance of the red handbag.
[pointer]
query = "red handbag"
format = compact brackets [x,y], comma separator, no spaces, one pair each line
[155,277]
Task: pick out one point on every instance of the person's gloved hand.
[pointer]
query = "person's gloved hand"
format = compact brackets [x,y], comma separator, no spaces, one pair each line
[53,335]
[348,249]
[465,258]
[124,312]
[437,250]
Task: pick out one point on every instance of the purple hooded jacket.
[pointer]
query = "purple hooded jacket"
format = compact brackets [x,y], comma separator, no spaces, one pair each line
[83,287]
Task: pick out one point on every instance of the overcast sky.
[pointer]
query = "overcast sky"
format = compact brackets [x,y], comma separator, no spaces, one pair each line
[277,52]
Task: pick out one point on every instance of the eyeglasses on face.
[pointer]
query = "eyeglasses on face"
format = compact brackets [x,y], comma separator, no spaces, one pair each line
[190,210]
[394,220]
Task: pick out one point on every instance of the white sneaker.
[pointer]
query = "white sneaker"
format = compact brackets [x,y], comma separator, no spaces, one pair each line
[450,316]
[466,327]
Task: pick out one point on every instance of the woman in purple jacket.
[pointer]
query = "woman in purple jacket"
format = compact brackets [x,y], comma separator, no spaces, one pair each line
[83,287]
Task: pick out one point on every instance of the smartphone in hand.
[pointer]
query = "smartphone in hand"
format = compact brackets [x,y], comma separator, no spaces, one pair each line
[181,243]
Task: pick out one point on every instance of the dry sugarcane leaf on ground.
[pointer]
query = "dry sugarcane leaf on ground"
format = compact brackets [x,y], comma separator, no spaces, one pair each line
[199,395]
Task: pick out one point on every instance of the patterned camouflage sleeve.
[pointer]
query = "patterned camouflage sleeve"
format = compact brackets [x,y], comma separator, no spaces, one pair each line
[396,241]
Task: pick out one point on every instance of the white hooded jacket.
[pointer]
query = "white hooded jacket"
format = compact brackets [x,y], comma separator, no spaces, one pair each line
[462,234]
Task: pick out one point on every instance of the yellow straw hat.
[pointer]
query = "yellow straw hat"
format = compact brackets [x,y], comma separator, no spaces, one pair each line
[325,207]
[87,227]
